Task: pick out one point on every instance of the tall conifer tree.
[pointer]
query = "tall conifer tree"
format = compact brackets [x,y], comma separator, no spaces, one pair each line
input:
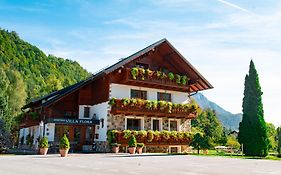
[252,129]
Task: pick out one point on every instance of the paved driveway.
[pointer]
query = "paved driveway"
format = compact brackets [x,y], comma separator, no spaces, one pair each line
[122,164]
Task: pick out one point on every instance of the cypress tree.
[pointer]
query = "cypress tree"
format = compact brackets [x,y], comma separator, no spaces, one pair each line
[252,129]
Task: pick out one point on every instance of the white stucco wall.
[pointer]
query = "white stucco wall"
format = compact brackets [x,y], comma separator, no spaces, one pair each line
[124,91]
[101,113]
[50,131]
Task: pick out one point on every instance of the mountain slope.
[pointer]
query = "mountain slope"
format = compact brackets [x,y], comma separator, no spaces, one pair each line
[227,119]
[42,74]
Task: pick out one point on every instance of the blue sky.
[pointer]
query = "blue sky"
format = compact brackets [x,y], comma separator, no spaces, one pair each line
[219,37]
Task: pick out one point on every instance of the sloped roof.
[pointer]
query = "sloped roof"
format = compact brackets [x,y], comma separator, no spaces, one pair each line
[54,96]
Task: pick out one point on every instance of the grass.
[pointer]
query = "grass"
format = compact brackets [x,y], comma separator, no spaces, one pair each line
[271,156]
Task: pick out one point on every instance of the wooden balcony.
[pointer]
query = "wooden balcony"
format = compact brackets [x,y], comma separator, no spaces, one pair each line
[160,140]
[141,109]
[153,82]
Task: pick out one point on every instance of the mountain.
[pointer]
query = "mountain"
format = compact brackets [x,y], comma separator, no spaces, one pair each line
[227,119]
[42,74]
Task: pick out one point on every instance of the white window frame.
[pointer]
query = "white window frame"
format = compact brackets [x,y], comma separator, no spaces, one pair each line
[160,123]
[178,123]
[134,117]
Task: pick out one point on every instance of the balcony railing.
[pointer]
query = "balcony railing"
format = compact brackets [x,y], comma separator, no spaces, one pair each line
[152,137]
[158,81]
[153,108]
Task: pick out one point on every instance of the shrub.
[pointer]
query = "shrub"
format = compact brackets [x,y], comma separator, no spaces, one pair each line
[111,136]
[163,75]
[141,72]
[134,72]
[64,142]
[127,134]
[165,135]
[150,136]
[141,134]
[43,143]
[132,142]
[125,101]
[149,73]
[184,80]
[171,76]
[112,101]
[140,145]
[178,79]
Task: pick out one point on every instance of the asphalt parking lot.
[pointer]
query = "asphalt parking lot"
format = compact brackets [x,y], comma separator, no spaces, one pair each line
[156,164]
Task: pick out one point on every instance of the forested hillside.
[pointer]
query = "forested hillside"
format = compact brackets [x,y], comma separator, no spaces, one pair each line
[42,74]
[27,73]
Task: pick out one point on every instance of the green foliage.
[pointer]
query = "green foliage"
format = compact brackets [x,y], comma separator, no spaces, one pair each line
[233,142]
[111,136]
[272,136]
[279,141]
[112,101]
[64,142]
[43,143]
[42,74]
[199,141]
[127,134]
[170,107]
[184,80]
[134,72]
[140,145]
[150,136]
[5,141]
[171,76]
[133,141]
[27,73]
[178,79]
[252,130]
[208,124]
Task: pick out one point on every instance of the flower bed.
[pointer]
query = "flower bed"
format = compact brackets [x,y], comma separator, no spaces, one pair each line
[151,137]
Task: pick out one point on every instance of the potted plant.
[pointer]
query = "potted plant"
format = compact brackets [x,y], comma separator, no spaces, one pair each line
[132,145]
[43,146]
[139,147]
[64,146]
[115,147]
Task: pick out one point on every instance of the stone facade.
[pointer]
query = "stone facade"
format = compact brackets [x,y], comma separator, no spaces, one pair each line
[118,122]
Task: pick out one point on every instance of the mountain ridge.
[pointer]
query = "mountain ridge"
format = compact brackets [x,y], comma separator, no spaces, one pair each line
[228,119]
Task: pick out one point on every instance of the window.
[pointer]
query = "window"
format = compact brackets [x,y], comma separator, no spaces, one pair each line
[156,125]
[173,125]
[138,94]
[164,96]
[142,65]
[86,112]
[133,124]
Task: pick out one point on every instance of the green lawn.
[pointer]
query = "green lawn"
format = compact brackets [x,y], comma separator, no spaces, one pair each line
[271,156]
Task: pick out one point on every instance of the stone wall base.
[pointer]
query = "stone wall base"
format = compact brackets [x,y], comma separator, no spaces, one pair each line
[102,146]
